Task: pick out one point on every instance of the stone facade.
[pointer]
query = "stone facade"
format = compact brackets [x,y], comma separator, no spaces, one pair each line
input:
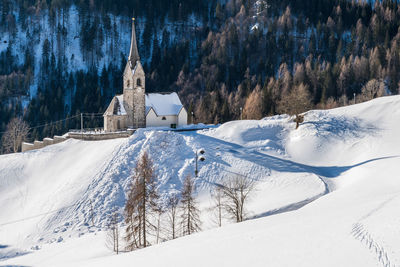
[115,122]
[134,95]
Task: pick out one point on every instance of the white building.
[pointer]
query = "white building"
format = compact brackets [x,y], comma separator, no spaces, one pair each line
[136,109]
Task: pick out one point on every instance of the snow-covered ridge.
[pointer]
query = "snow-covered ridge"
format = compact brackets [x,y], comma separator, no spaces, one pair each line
[50,195]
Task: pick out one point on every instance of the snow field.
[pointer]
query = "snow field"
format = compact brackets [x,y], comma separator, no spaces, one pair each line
[331,187]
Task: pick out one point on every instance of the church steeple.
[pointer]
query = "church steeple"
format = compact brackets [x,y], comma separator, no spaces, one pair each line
[133,53]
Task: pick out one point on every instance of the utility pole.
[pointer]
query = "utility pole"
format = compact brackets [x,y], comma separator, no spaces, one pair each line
[354,96]
[241,113]
[192,117]
[81,122]
[82,125]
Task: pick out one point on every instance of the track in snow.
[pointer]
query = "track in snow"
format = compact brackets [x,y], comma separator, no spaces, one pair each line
[360,232]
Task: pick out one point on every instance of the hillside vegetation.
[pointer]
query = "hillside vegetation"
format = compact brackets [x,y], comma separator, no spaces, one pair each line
[61,58]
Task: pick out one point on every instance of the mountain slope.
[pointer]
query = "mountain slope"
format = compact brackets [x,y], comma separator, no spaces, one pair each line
[351,152]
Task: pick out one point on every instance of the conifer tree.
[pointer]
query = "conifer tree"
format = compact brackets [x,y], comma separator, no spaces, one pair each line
[141,204]
[190,217]
[172,212]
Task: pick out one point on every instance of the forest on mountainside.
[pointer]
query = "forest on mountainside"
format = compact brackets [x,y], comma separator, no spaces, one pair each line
[220,56]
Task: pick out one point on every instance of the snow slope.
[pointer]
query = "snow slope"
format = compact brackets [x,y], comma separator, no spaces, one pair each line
[352,153]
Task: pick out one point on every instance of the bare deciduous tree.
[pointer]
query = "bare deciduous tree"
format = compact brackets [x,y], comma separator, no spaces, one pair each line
[253,107]
[296,102]
[173,203]
[133,219]
[159,210]
[217,197]
[236,191]
[17,131]
[141,203]
[113,231]
[190,218]
[372,89]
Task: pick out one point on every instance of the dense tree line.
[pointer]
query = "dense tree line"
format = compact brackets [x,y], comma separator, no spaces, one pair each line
[332,48]
[240,58]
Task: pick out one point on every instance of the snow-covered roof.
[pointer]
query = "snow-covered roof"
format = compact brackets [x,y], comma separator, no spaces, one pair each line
[116,106]
[121,109]
[164,104]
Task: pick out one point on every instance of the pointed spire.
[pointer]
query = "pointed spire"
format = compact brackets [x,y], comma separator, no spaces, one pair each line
[133,53]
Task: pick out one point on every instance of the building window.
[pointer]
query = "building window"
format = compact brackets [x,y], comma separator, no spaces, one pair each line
[164,118]
[139,82]
[128,84]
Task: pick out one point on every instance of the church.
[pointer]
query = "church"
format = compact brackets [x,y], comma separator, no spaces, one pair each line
[136,109]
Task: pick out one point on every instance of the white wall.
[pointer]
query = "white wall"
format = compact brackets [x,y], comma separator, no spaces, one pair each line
[182,117]
[152,120]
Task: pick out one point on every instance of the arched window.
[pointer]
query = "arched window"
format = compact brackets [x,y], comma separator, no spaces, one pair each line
[128,84]
[138,82]
[164,118]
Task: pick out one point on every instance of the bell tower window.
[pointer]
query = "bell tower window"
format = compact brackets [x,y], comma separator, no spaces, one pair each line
[138,82]
[128,84]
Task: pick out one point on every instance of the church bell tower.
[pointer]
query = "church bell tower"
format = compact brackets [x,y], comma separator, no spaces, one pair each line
[134,86]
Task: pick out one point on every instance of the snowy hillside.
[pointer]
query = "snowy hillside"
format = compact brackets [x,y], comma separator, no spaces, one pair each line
[332,187]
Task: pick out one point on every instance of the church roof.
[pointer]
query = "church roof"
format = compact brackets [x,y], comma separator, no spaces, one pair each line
[116,106]
[121,109]
[163,104]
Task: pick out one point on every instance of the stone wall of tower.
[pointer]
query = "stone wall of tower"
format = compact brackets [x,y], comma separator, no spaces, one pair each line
[134,87]
[134,95]
[128,94]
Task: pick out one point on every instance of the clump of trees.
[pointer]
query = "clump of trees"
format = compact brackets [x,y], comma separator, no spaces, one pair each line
[150,219]
[235,193]
[146,216]
[374,88]
[17,131]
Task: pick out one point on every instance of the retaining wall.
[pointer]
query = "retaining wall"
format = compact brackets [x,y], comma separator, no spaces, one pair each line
[92,136]
[87,136]
[40,144]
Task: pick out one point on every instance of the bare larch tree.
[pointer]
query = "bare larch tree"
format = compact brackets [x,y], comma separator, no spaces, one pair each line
[296,102]
[217,207]
[172,211]
[113,231]
[190,217]
[236,191]
[141,204]
[17,131]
